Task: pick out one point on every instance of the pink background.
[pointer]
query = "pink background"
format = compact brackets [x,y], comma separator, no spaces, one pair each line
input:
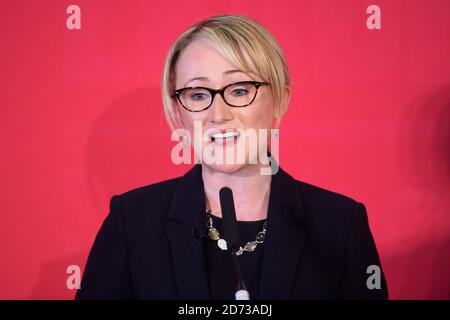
[81,120]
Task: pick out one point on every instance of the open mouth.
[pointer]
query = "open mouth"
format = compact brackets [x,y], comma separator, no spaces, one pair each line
[224,137]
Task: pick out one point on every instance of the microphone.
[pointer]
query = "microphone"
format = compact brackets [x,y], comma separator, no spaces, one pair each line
[231,236]
[230,227]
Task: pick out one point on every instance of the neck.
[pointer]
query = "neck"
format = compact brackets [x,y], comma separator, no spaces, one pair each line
[250,191]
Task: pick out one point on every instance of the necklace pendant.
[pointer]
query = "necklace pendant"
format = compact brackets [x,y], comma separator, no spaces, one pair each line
[222,244]
[250,246]
[240,251]
[213,233]
[260,237]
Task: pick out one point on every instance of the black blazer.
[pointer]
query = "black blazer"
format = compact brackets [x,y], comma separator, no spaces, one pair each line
[318,245]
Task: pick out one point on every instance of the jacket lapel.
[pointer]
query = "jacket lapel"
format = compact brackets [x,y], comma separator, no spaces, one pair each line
[185,216]
[285,238]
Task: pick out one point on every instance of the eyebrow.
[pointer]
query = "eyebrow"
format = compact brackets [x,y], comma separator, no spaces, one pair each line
[225,73]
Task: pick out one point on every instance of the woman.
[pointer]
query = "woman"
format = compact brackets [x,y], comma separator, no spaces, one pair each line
[227,75]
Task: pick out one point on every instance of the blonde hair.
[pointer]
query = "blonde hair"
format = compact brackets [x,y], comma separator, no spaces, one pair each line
[244,43]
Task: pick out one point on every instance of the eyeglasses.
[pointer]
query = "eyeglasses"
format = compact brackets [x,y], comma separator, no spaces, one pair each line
[238,95]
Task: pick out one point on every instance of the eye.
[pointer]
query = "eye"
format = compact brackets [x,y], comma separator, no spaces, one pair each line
[239,92]
[198,96]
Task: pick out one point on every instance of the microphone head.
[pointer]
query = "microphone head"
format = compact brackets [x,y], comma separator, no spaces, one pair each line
[230,227]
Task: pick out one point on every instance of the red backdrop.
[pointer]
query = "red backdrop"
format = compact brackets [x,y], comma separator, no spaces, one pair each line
[81,120]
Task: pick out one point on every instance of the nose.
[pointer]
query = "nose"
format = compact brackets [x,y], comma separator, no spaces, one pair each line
[219,112]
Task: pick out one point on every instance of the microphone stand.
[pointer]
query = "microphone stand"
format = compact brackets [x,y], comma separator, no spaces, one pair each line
[241,290]
[231,235]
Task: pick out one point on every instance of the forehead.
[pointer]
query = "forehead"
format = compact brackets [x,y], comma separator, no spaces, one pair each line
[200,58]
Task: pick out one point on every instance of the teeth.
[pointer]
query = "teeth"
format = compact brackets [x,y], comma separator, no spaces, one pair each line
[224,135]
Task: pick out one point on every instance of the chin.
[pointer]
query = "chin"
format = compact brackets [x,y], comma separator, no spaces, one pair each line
[225,168]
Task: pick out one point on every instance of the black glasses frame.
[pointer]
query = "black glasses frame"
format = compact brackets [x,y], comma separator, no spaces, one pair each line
[213,92]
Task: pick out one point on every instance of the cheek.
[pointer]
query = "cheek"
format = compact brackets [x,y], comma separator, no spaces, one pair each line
[258,116]
[189,118]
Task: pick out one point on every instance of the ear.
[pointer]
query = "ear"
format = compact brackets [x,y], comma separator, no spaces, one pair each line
[282,109]
[175,117]
[286,99]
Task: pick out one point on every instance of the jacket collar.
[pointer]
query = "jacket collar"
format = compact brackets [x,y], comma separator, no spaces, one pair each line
[282,249]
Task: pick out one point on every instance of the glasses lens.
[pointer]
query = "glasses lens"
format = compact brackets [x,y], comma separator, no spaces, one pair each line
[240,94]
[196,99]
